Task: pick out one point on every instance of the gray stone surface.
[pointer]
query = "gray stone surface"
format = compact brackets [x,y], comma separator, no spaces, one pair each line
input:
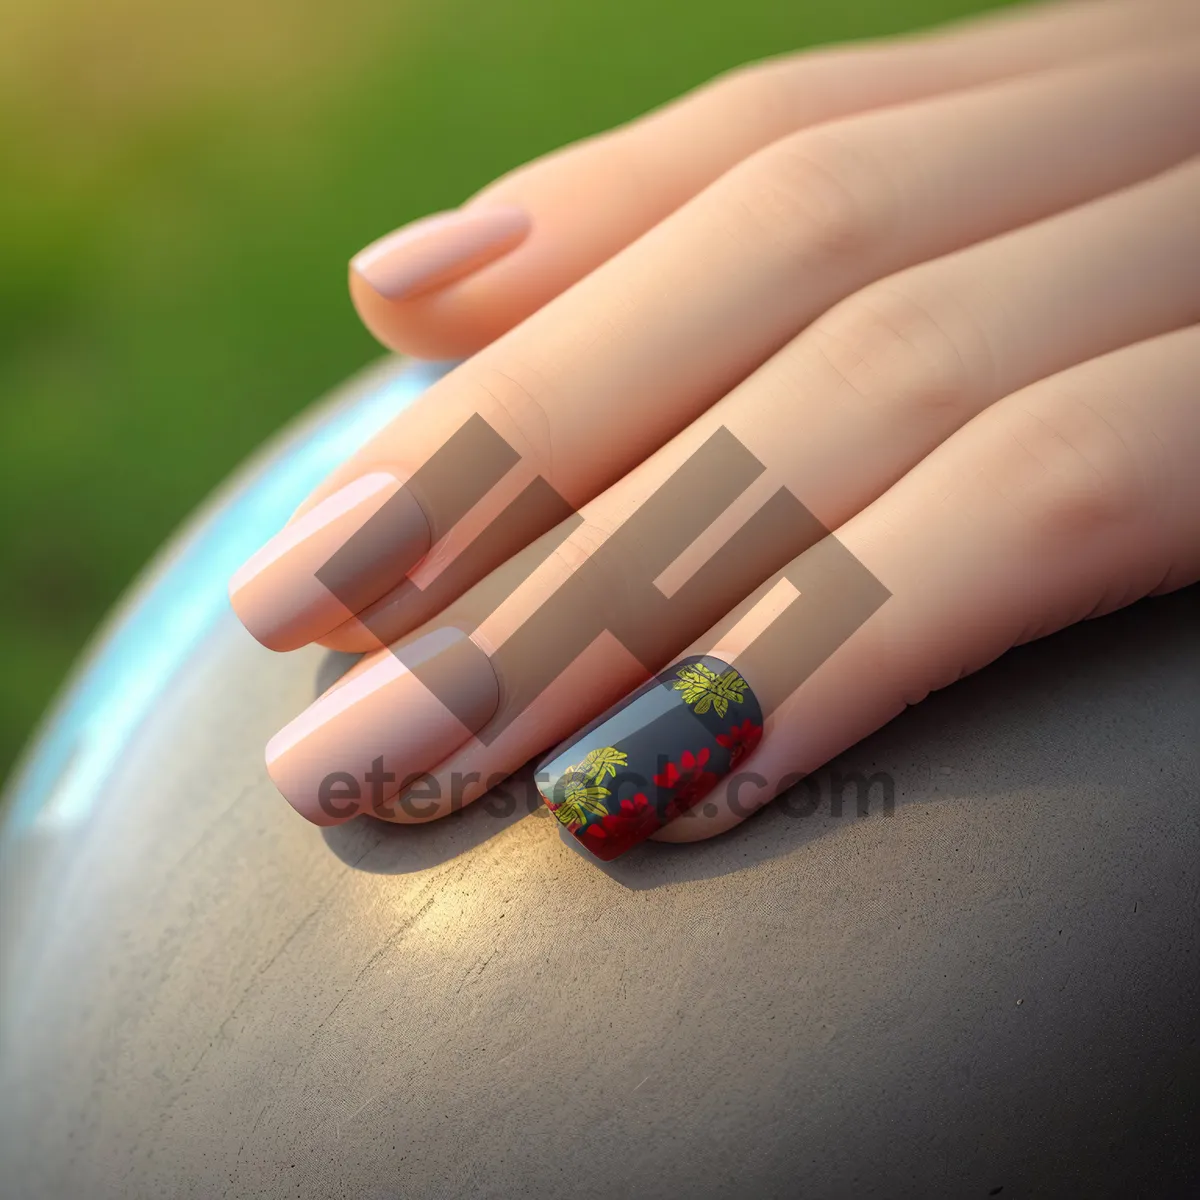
[994,987]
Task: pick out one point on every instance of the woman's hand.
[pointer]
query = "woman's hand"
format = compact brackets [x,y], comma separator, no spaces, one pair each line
[956,327]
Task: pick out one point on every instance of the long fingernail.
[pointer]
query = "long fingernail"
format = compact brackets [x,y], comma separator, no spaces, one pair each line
[366,738]
[326,566]
[437,250]
[653,756]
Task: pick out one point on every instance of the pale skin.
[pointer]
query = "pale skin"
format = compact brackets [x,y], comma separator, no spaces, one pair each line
[945,289]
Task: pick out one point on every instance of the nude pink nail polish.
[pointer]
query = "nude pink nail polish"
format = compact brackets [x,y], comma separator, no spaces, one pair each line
[304,582]
[437,250]
[395,718]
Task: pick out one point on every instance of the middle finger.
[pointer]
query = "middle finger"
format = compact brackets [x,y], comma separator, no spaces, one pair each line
[593,383]
[834,418]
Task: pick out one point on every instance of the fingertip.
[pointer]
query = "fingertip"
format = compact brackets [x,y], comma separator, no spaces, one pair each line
[330,562]
[400,283]
[452,323]
[429,254]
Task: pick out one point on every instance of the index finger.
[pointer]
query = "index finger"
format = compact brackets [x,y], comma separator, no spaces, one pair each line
[600,378]
[448,285]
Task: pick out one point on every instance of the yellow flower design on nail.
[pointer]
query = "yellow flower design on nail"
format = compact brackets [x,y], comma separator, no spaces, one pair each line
[579,803]
[582,795]
[703,688]
[599,763]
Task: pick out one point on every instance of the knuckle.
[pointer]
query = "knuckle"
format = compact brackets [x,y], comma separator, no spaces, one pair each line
[511,400]
[745,82]
[915,353]
[1070,470]
[584,542]
[906,664]
[760,95]
[912,658]
[816,194]
[779,95]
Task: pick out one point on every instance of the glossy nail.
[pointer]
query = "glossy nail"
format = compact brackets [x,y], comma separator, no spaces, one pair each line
[394,718]
[653,756]
[437,250]
[330,563]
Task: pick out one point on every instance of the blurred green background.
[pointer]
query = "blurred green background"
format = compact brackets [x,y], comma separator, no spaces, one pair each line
[181,185]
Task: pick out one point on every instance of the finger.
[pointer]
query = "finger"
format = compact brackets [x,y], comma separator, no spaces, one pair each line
[445,286]
[1071,498]
[614,598]
[883,376]
[749,262]
[879,380]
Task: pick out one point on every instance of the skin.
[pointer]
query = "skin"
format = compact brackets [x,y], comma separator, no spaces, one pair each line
[943,289]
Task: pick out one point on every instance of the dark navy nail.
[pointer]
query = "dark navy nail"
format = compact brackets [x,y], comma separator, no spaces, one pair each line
[653,756]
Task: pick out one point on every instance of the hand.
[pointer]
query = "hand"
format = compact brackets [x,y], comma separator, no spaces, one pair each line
[937,296]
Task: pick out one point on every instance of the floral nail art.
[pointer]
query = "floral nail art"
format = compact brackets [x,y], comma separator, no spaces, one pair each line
[653,756]
[688,781]
[582,793]
[739,740]
[703,688]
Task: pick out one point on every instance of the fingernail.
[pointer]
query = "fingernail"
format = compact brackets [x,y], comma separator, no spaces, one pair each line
[330,563]
[370,736]
[653,756]
[435,251]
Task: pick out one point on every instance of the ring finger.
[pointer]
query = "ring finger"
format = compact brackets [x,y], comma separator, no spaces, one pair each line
[834,419]
[1069,499]
[652,338]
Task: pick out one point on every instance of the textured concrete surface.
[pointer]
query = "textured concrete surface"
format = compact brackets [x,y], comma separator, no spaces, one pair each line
[994,987]
[991,991]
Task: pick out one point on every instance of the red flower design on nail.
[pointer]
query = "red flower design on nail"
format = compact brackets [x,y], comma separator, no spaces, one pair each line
[616,832]
[689,781]
[739,740]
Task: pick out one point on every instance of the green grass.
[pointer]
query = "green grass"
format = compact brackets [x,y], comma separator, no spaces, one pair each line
[181,195]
